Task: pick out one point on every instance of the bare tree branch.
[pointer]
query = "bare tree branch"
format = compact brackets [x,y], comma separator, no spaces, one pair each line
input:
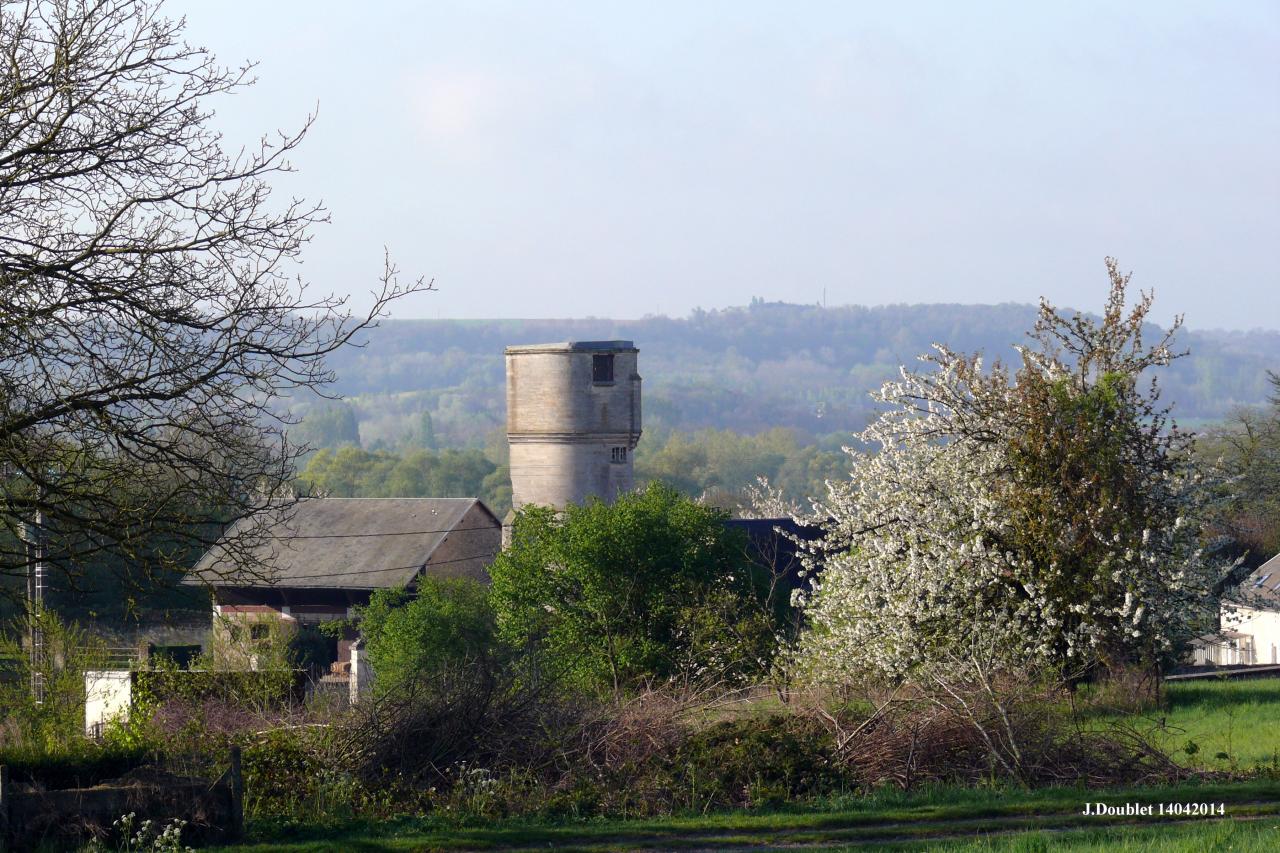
[149,320]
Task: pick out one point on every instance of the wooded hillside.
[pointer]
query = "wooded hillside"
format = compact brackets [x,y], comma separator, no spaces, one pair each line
[747,369]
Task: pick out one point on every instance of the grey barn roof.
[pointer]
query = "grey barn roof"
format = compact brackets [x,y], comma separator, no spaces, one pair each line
[1261,589]
[342,543]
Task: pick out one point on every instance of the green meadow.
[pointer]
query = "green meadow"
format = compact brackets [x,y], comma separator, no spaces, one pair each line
[942,818]
[1217,724]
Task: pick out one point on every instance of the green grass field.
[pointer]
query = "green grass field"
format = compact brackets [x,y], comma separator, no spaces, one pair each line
[939,819]
[1232,724]
[1254,836]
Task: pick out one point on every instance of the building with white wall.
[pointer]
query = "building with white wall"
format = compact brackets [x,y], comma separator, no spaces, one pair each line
[1250,622]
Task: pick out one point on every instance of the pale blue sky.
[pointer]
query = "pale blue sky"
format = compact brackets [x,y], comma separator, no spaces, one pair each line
[545,159]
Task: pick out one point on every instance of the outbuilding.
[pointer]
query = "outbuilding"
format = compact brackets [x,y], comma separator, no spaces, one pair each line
[321,558]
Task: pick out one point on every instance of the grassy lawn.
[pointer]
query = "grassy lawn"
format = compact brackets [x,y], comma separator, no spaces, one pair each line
[947,818]
[1238,719]
[1254,836]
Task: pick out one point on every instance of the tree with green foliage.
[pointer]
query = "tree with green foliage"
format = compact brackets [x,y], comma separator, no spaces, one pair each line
[443,622]
[331,425]
[48,725]
[347,472]
[350,472]
[427,432]
[651,586]
[495,491]
[721,466]
[1247,446]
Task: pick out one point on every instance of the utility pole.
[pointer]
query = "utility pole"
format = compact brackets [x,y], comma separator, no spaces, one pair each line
[36,574]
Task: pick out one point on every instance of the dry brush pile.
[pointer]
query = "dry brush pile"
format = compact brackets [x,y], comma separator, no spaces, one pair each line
[473,746]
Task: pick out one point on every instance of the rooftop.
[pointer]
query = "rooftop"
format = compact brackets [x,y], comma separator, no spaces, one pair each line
[575,346]
[341,543]
[1261,589]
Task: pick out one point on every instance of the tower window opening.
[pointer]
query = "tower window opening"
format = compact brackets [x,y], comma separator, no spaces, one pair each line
[602,368]
[618,454]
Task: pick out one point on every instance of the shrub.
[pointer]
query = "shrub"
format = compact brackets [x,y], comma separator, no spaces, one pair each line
[485,716]
[312,650]
[445,622]
[760,762]
[1009,730]
[79,764]
[607,589]
[258,689]
[34,728]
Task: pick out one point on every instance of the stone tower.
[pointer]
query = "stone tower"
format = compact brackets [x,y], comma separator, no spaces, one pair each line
[573,420]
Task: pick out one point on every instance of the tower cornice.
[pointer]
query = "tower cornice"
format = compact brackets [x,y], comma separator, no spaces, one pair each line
[627,438]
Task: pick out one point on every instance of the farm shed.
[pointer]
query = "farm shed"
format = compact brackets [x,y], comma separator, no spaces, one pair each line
[321,558]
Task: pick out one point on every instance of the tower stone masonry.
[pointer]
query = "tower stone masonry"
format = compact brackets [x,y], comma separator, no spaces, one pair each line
[573,420]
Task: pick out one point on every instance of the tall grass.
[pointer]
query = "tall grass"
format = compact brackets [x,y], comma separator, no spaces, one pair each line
[1216,724]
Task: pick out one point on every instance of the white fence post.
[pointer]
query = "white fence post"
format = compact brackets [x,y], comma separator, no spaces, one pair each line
[361,674]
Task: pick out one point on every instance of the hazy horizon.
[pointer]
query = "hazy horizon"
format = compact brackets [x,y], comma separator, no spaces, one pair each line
[571,158]
[884,305]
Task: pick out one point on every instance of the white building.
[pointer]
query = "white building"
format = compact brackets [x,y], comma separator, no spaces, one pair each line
[1250,622]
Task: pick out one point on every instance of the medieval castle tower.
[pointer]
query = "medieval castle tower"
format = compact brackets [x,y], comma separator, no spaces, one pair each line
[573,420]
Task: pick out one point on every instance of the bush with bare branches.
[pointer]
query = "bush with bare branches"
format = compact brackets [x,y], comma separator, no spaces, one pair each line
[976,729]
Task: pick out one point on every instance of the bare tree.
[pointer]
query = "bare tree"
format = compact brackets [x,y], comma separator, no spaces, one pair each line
[149,324]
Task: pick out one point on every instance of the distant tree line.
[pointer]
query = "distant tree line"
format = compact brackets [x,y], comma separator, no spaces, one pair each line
[349,472]
[716,466]
[1247,447]
[749,369]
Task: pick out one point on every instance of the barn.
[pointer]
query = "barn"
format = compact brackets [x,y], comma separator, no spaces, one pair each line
[321,558]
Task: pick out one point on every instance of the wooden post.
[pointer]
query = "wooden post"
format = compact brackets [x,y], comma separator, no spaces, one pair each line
[5,793]
[237,795]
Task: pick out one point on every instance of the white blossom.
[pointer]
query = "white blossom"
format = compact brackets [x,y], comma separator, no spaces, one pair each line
[915,562]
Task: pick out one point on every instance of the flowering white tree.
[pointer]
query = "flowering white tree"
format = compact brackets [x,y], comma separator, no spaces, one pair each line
[1042,517]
